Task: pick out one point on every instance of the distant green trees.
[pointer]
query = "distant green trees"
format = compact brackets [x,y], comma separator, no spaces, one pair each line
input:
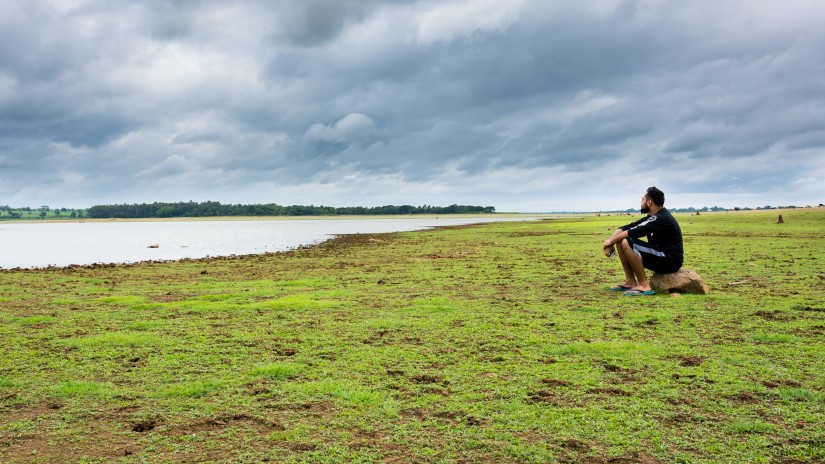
[214,208]
[28,213]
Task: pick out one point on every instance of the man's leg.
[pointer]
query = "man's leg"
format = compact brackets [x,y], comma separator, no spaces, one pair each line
[629,276]
[633,267]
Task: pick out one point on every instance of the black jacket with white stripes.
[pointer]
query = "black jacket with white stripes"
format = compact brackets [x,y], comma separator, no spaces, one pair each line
[662,231]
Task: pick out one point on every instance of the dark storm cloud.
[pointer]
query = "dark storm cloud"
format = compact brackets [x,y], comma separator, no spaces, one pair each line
[355,102]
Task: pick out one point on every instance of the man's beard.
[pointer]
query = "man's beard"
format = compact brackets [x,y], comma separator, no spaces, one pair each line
[646,210]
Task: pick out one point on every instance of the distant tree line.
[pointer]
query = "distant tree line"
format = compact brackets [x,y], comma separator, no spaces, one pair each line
[44,212]
[214,208]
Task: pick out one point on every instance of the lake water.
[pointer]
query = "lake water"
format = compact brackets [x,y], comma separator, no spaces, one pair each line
[31,245]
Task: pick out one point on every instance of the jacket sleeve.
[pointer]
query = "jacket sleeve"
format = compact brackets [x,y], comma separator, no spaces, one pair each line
[646,226]
[633,224]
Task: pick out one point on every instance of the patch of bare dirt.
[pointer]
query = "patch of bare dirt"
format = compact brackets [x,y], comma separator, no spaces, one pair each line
[810,309]
[689,361]
[634,458]
[555,383]
[609,391]
[379,338]
[319,408]
[368,439]
[427,379]
[457,254]
[780,383]
[543,396]
[419,414]
[218,424]
[146,425]
[626,375]
[775,315]
[46,444]
[576,445]
[746,397]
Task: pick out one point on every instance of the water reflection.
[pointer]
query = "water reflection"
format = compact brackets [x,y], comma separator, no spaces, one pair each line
[61,244]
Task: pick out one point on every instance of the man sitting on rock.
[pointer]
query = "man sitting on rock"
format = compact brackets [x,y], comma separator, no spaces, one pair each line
[662,253]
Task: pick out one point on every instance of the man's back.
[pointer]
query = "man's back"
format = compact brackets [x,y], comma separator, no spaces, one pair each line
[662,232]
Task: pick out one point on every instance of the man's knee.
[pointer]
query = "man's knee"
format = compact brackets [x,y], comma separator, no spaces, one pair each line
[627,248]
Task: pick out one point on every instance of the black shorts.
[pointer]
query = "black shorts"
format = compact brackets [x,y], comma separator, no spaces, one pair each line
[653,259]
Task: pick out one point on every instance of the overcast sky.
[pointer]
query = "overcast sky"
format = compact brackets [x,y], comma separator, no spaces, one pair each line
[525,105]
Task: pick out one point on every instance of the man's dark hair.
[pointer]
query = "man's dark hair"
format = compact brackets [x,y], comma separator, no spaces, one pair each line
[656,196]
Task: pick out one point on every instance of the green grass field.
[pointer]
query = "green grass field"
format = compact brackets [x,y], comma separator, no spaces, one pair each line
[496,343]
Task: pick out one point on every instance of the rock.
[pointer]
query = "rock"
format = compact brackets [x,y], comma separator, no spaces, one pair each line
[154,246]
[681,281]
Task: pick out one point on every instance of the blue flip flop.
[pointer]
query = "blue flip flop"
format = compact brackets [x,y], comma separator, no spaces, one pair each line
[638,293]
[619,288]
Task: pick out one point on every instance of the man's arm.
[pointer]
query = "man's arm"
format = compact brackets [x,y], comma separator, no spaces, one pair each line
[617,237]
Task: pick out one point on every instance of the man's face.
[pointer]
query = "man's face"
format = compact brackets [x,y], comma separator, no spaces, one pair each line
[645,207]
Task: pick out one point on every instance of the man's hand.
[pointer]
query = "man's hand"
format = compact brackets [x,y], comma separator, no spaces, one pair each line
[610,243]
[609,250]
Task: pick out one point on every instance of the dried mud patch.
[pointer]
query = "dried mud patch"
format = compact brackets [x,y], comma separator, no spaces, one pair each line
[211,425]
[419,414]
[625,374]
[19,413]
[575,445]
[369,439]
[809,309]
[634,458]
[45,443]
[609,391]
[342,242]
[555,383]
[781,383]
[460,417]
[144,426]
[746,397]
[638,457]
[775,315]
[543,396]
[319,407]
[427,379]
[687,360]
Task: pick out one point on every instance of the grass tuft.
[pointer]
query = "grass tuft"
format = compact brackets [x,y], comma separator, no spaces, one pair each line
[86,389]
[197,389]
[112,339]
[34,320]
[748,426]
[278,371]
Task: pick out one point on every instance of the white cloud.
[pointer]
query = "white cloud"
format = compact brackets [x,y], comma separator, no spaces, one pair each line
[445,21]
[349,128]
[586,102]
[170,166]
